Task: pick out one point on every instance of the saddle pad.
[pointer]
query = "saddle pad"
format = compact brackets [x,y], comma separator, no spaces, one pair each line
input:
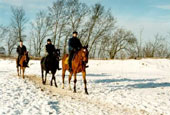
[66,60]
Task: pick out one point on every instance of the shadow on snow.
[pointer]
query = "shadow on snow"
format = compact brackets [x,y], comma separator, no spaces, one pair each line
[54,105]
[149,85]
[123,80]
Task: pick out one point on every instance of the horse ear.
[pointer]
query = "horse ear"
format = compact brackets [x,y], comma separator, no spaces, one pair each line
[86,46]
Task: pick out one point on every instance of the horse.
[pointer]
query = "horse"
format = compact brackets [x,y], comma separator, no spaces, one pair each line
[22,64]
[78,65]
[49,63]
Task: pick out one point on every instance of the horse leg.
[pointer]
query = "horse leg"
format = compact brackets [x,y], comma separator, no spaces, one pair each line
[42,74]
[85,82]
[75,80]
[23,70]
[54,80]
[45,77]
[69,80]
[63,76]
[18,70]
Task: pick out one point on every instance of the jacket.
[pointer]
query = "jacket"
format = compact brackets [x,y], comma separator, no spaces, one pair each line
[74,44]
[21,50]
[50,49]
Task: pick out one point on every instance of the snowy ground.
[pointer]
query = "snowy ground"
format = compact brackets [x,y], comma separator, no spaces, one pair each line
[115,87]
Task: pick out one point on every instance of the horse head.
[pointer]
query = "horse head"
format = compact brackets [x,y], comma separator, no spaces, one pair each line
[56,53]
[85,53]
[25,56]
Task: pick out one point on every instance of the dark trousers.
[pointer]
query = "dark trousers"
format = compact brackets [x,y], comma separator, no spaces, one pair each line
[71,55]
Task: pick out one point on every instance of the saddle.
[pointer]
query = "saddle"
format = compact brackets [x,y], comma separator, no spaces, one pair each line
[67,59]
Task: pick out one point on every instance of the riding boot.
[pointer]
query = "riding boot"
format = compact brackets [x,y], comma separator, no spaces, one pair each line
[86,66]
[26,65]
[58,66]
[70,66]
[71,55]
[18,60]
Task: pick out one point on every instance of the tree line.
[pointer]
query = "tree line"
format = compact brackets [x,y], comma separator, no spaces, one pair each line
[96,27]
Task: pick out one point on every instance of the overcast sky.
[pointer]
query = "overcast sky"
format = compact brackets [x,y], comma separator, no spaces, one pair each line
[153,16]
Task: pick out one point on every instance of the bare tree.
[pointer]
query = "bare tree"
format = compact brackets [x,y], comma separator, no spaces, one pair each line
[18,21]
[121,40]
[40,31]
[100,24]
[67,16]
[136,49]
[2,31]
[57,13]
[9,39]
[139,45]
[77,13]
[157,48]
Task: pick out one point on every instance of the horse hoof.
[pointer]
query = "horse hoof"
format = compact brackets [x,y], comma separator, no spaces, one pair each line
[69,88]
[74,91]
[86,93]
[62,86]
[56,86]
[43,83]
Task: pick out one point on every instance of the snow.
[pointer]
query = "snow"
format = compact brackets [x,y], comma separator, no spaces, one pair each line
[114,86]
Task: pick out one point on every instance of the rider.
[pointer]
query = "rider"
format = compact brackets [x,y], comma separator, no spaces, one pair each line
[20,50]
[50,48]
[74,46]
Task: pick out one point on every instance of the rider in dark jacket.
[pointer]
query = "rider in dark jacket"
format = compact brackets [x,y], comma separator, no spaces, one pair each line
[50,48]
[20,50]
[74,46]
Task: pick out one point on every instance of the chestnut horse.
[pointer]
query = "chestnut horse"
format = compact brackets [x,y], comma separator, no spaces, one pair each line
[78,65]
[22,64]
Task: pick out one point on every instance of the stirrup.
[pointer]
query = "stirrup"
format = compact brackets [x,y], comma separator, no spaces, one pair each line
[59,68]
[87,66]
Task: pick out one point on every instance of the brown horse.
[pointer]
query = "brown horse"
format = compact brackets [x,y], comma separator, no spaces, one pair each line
[49,63]
[78,65]
[22,64]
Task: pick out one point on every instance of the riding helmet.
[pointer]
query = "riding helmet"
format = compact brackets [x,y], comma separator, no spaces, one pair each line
[49,40]
[75,32]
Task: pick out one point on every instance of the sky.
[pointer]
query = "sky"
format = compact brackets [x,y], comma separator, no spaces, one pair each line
[149,16]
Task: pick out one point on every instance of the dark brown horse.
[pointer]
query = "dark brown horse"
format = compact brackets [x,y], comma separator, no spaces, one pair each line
[78,65]
[49,63]
[22,64]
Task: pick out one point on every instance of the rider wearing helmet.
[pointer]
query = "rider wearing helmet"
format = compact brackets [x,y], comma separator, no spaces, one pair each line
[20,50]
[50,48]
[74,46]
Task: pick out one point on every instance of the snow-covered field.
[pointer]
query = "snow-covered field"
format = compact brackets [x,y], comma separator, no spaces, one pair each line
[115,87]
